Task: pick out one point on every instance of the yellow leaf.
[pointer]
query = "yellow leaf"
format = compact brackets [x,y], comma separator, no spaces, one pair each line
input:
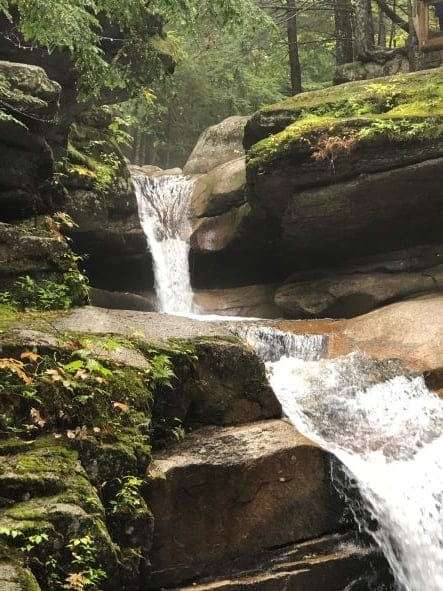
[121,406]
[76,581]
[30,355]
[54,374]
[37,418]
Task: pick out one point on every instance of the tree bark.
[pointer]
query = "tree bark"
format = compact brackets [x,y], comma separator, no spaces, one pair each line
[382,38]
[294,58]
[364,29]
[344,51]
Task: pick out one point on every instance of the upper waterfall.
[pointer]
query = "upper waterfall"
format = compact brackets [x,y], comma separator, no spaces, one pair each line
[163,205]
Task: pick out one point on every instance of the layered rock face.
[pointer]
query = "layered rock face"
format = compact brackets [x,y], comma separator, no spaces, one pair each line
[350,177]
[27,167]
[30,190]
[340,210]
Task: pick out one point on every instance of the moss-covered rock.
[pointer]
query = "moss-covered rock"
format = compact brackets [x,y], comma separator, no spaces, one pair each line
[351,170]
[416,95]
[80,413]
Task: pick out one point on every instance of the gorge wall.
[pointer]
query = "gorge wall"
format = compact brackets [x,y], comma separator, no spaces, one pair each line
[335,208]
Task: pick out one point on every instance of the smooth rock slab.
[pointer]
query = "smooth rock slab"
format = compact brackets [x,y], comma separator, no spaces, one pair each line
[331,563]
[234,491]
[344,295]
[216,145]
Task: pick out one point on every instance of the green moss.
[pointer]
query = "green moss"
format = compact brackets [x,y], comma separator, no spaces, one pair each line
[94,156]
[8,314]
[399,109]
[422,91]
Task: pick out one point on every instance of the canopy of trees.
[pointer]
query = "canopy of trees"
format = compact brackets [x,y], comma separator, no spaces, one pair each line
[232,56]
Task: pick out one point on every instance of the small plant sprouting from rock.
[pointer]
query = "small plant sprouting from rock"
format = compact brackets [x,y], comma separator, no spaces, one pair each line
[330,147]
[160,371]
[86,574]
[128,499]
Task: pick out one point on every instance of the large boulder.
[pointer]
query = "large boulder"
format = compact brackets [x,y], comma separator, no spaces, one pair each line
[236,491]
[350,291]
[218,207]
[344,173]
[218,144]
[221,189]
[411,331]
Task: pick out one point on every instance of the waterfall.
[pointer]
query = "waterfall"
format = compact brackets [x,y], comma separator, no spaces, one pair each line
[271,344]
[386,428]
[163,205]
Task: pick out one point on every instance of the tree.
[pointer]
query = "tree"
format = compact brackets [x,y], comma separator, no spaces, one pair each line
[364,29]
[344,51]
[110,41]
[294,58]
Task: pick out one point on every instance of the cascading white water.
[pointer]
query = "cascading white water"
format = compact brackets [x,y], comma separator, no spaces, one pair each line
[387,430]
[163,205]
[271,344]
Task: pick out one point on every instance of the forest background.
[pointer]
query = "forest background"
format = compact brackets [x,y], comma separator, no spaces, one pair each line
[229,57]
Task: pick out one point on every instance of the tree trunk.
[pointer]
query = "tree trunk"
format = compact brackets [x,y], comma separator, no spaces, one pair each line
[294,58]
[343,31]
[364,29]
[382,39]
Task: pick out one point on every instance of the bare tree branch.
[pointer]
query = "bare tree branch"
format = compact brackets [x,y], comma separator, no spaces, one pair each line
[395,18]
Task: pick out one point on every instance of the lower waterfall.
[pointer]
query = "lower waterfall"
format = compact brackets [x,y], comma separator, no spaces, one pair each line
[386,428]
[163,205]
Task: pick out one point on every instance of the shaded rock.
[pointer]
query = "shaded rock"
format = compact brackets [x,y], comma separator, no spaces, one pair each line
[236,491]
[223,384]
[250,301]
[400,208]
[22,252]
[368,70]
[74,509]
[334,562]
[27,167]
[345,295]
[35,91]
[218,144]
[13,577]
[231,386]
[121,301]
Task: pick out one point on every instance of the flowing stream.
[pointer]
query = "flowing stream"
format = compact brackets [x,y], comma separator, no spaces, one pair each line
[163,205]
[383,423]
[386,428]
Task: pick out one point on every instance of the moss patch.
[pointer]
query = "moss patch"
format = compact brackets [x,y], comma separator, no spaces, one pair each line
[399,109]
